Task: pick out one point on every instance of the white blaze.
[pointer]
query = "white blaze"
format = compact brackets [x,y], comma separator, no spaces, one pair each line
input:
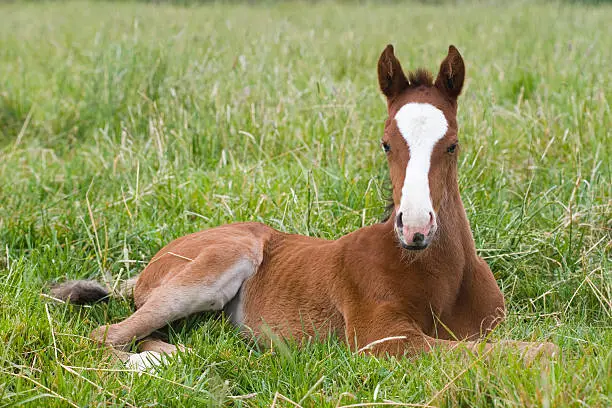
[422,125]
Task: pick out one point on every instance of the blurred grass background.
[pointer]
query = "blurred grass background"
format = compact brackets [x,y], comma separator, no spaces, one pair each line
[126,125]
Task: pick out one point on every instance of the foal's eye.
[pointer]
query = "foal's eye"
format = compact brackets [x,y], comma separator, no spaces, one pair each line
[452,148]
[386,147]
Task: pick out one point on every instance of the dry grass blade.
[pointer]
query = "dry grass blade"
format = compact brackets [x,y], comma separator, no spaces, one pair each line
[379,341]
[278,395]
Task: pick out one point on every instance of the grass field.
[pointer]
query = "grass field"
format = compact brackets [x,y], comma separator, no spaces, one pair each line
[124,126]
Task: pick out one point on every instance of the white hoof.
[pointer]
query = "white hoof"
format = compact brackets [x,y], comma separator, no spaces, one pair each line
[145,361]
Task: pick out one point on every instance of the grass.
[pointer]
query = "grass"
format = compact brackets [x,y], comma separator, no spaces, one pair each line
[123,126]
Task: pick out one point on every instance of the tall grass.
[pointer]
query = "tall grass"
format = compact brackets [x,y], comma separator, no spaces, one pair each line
[123,126]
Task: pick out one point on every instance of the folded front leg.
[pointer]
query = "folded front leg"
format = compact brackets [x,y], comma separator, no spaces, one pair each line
[388,332]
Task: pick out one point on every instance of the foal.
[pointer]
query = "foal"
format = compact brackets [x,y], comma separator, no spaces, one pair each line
[403,286]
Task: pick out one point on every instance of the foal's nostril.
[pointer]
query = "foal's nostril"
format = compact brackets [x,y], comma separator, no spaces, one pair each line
[418,238]
[399,222]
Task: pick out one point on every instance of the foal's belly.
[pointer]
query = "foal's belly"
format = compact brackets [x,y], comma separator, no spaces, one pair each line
[291,295]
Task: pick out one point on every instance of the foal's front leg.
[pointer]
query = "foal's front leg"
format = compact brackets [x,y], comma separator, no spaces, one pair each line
[528,350]
[384,332]
[412,342]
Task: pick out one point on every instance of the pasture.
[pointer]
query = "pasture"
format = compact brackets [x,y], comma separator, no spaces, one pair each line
[126,125]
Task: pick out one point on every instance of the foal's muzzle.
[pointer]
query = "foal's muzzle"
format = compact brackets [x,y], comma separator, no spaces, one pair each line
[415,237]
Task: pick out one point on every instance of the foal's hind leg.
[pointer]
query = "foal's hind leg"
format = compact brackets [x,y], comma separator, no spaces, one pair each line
[163,306]
[207,283]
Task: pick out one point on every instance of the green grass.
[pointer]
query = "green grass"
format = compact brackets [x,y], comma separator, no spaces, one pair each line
[124,126]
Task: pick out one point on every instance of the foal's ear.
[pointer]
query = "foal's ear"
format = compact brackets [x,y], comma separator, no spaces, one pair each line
[391,77]
[452,72]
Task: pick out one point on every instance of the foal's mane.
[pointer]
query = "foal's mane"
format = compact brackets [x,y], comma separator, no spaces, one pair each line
[420,77]
[416,78]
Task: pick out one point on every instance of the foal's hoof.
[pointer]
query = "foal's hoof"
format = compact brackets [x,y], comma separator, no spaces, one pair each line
[540,350]
[109,335]
[100,334]
[146,361]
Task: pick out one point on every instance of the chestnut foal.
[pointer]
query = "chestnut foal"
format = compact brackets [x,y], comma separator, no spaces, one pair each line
[400,287]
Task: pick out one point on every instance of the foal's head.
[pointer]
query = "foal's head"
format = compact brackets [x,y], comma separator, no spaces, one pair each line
[421,142]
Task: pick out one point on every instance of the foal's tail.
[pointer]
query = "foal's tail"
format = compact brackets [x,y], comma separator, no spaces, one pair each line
[80,292]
